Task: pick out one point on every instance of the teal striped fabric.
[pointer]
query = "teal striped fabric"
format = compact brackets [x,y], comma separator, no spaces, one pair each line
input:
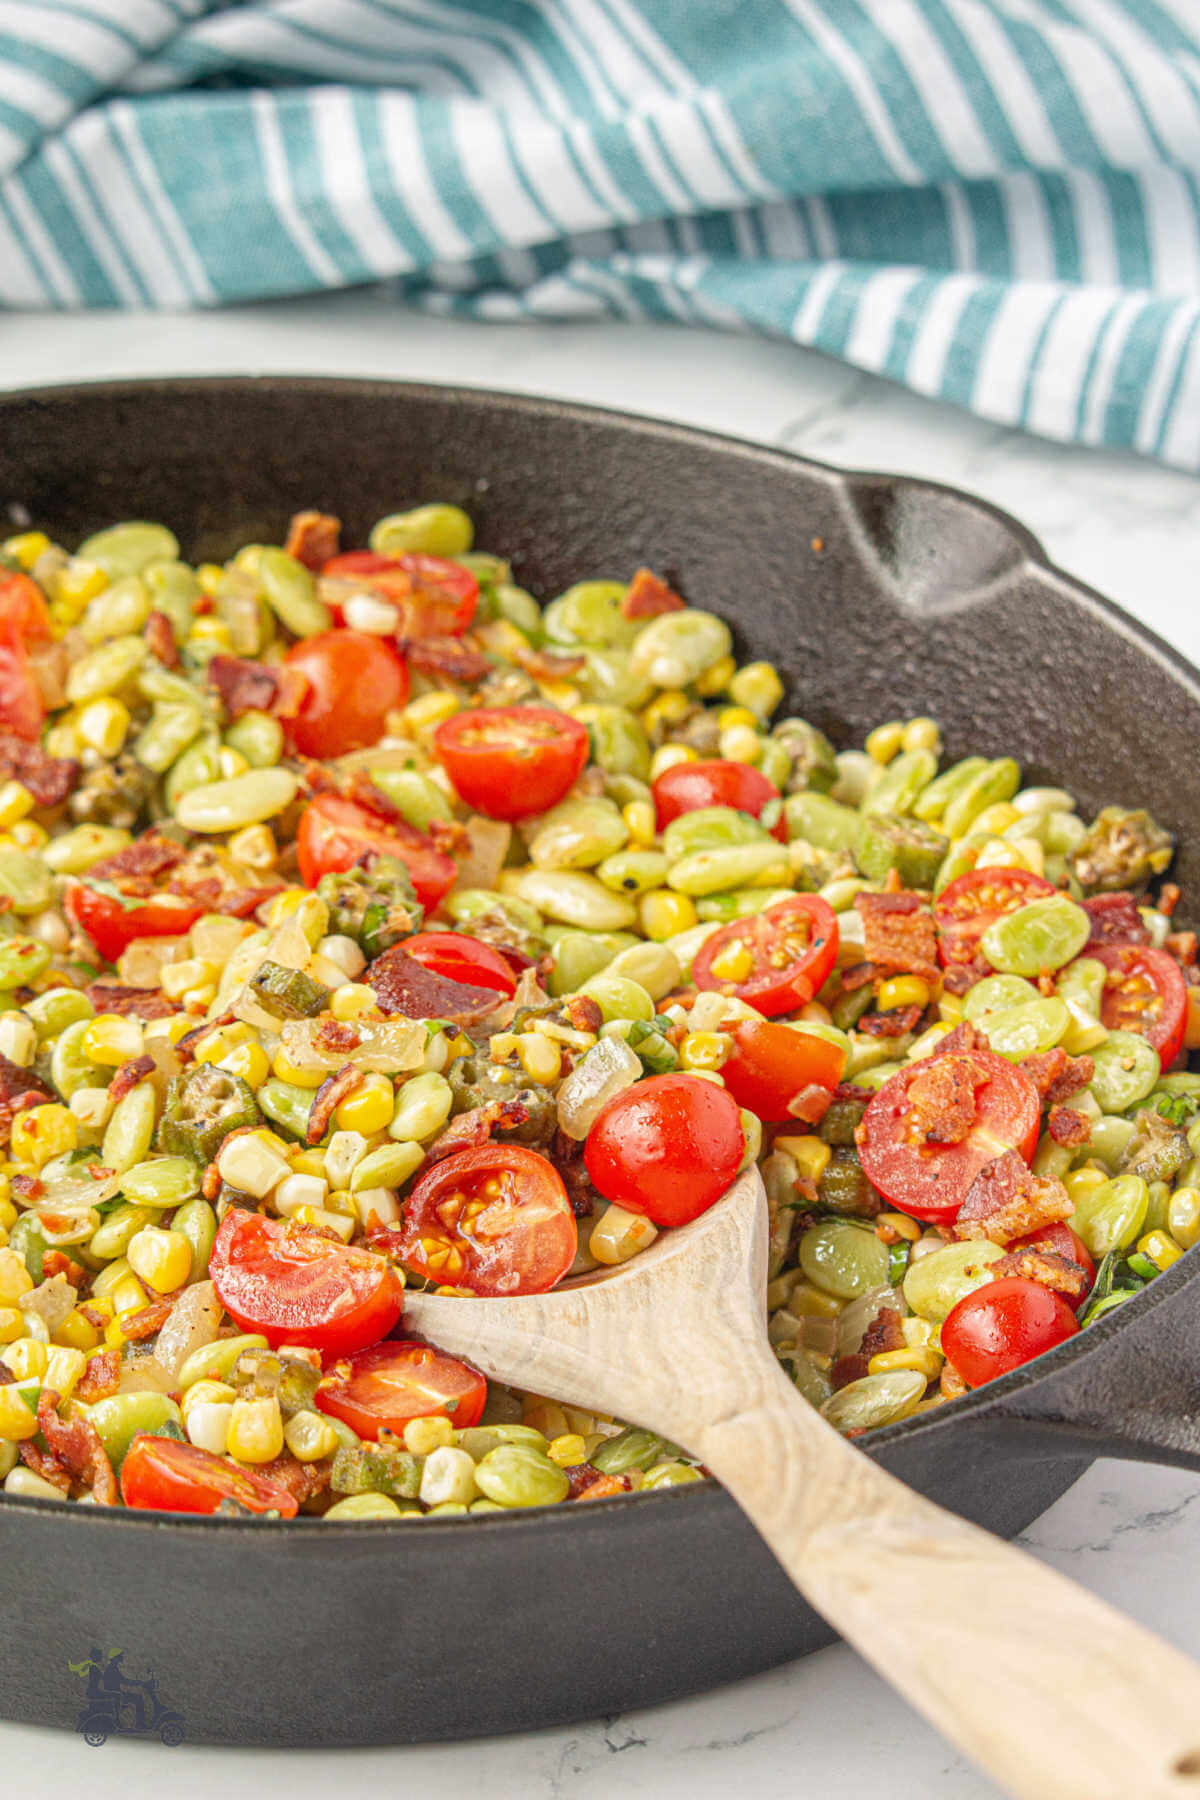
[993,201]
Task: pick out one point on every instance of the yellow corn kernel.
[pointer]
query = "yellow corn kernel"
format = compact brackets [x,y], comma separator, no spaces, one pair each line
[27,834]
[716,679]
[13,1324]
[811,1154]
[1080,1183]
[352,1001]
[922,734]
[286,905]
[162,1259]
[112,1040]
[255,846]
[926,1362]
[731,716]
[221,1040]
[326,1220]
[996,819]
[1012,853]
[210,576]
[668,756]
[502,1045]
[429,710]
[884,742]
[757,687]
[666,709]
[921,1334]
[1160,1248]
[639,821]
[704,1050]
[567,1450]
[207,1393]
[172,1029]
[950,1008]
[43,1132]
[309,1436]
[64,1366]
[15,801]
[902,990]
[901,1224]
[211,631]
[61,740]
[423,1436]
[620,1235]
[127,1295]
[78,583]
[8,1212]
[734,962]
[540,1057]
[25,1358]
[282,1065]
[76,1332]
[307,1162]
[255,1430]
[179,978]
[662,914]
[17,1420]
[26,547]
[369,1108]
[103,725]
[250,1061]
[740,744]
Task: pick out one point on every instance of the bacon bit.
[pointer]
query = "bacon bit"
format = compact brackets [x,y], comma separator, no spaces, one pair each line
[243,902]
[313,538]
[960,978]
[890,1024]
[446,658]
[941,1098]
[1069,1127]
[474,1128]
[1048,1269]
[404,987]
[136,866]
[810,1105]
[210,1182]
[1182,946]
[26,1188]
[76,1445]
[849,1090]
[143,1003]
[549,665]
[580,1476]
[1115,920]
[101,1377]
[19,1088]
[333,1037]
[329,1096]
[93,1315]
[883,1333]
[1055,1075]
[566,1153]
[951,1385]
[187,1043]
[44,1465]
[128,1076]
[860,974]
[961,1040]
[244,686]
[648,598]
[1169,896]
[303,1481]
[604,1488]
[149,1320]
[57,1262]
[898,934]
[1006,1201]
[584,1013]
[160,640]
[49,778]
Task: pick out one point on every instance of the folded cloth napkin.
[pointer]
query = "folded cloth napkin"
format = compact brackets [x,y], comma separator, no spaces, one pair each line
[993,201]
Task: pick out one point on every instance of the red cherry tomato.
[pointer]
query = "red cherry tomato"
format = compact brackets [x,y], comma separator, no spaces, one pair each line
[688,786]
[354,681]
[793,946]
[382,1388]
[1003,1324]
[770,1064]
[966,907]
[335,834]
[24,620]
[496,1220]
[462,958]
[163,1475]
[435,598]
[929,1179]
[1059,1240]
[1145,992]
[112,926]
[509,762]
[666,1148]
[299,1287]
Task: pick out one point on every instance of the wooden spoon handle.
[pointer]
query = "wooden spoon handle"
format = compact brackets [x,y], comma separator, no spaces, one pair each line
[1052,1692]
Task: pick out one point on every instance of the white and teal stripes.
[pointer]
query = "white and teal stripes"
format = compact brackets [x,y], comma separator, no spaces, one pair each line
[996,202]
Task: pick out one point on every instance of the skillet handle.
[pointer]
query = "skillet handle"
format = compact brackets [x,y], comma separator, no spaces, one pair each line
[1137,1392]
[1046,1687]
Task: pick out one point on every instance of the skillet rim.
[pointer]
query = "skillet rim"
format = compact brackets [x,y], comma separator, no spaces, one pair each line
[980,1404]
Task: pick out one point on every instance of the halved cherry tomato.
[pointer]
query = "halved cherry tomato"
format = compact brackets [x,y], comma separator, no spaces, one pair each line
[687,786]
[335,834]
[966,907]
[929,1179]
[770,1064]
[297,1286]
[354,681]
[1003,1324]
[666,1148]
[510,762]
[23,607]
[462,958]
[24,620]
[1059,1240]
[113,926]
[496,1220]
[382,1388]
[436,598]
[1144,991]
[163,1475]
[792,945]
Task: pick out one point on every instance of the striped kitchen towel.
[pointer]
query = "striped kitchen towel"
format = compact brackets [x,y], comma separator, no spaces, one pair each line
[993,201]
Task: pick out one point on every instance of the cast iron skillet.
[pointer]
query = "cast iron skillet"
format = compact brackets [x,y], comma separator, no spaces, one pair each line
[878,597]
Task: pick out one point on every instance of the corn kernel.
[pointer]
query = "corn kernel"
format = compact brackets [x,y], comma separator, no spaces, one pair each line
[1160,1248]
[884,742]
[740,743]
[1080,1183]
[207,1393]
[12,1324]
[950,1008]
[112,1039]
[731,716]
[734,962]
[27,834]
[925,1362]
[704,1050]
[211,631]
[15,801]
[162,1259]
[307,1162]
[218,1042]
[620,1235]
[758,688]
[17,1417]
[207,1425]
[43,1132]
[250,1061]
[103,725]
[716,679]
[448,1480]
[76,1332]
[662,914]
[922,734]
[210,576]
[283,1066]
[127,1295]
[901,1224]
[255,1430]
[995,820]
[812,1155]
[64,1366]
[79,582]
[252,1164]
[423,1436]
[669,756]
[902,990]
[429,710]
[640,822]
[299,1191]
[61,740]
[665,710]
[179,978]
[309,1436]
[369,1108]
[25,1358]
[26,547]
[324,1219]
[567,1450]
[540,1057]
[353,1001]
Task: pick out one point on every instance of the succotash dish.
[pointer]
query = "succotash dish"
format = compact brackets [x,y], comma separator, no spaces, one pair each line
[366,923]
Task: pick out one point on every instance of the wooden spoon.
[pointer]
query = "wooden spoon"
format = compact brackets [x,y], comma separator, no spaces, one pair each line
[1052,1692]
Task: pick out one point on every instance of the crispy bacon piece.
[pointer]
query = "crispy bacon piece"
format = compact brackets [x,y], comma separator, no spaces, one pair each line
[101,1377]
[446,658]
[941,1098]
[584,1013]
[647,597]
[849,1090]
[883,1333]
[142,1003]
[149,1320]
[303,1481]
[550,665]
[313,538]
[580,1476]
[44,1465]
[160,640]
[963,1038]
[1055,1075]
[333,1037]
[470,1130]
[1006,1200]
[128,1076]
[19,1088]
[1066,1126]
[961,977]
[49,778]
[404,987]
[328,1097]
[604,1487]
[566,1153]
[951,1384]
[898,934]
[58,1262]
[860,974]
[243,902]
[75,1444]
[1047,1268]
[136,867]
[1182,945]
[1115,920]
[244,686]
[890,1024]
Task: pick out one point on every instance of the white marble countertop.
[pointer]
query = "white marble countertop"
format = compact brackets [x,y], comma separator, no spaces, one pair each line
[825,1725]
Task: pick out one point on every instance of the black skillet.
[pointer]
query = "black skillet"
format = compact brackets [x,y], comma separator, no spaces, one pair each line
[877,597]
